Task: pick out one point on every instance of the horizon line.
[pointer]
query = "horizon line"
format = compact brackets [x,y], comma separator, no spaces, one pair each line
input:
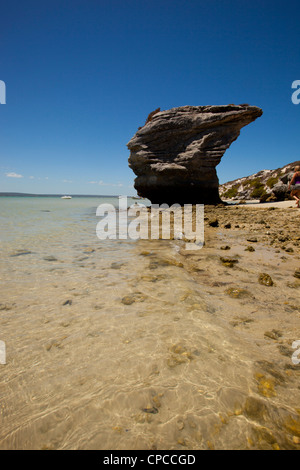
[10,193]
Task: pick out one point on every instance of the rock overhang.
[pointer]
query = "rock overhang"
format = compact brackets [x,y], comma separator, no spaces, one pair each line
[174,155]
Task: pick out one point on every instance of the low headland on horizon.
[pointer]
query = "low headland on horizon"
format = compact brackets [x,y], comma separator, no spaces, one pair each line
[12,194]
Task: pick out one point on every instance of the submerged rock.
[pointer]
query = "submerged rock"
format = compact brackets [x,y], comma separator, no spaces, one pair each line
[50,258]
[179,355]
[255,409]
[274,334]
[265,385]
[250,248]
[174,155]
[150,409]
[117,265]
[265,280]
[228,262]
[238,293]
[20,253]
[297,273]
[131,298]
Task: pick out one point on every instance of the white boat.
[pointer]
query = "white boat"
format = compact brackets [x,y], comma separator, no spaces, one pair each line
[66,197]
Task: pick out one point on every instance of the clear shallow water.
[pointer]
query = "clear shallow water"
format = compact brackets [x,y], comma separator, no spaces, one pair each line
[25,217]
[127,345]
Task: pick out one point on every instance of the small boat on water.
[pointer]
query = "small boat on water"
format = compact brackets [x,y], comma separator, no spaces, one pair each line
[66,197]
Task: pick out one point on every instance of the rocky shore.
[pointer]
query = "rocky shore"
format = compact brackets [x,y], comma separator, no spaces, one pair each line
[249,272]
[251,261]
[265,186]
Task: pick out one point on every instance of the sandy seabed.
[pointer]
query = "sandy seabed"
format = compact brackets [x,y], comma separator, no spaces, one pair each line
[143,345]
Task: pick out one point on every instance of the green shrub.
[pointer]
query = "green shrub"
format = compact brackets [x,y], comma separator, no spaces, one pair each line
[232,192]
[256,183]
[258,192]
[272,181]
[246,183]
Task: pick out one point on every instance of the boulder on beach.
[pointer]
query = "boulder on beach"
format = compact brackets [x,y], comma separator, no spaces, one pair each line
[175,154]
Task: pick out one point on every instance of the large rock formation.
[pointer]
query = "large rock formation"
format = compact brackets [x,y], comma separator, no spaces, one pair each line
[174,155]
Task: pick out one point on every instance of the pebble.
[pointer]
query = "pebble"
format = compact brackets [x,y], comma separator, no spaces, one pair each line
[57,343]
[20,253]
[50,258]
[131,298]
[265,280]
[180,425]
[274,334]
[89,250]
[237,293]
[5,307]
[151,278]
[152,410]
[213,223]
[250,248]
[117,265]
[164,262]
[228,262]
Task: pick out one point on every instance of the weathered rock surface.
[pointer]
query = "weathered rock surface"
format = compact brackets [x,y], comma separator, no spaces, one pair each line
[175,154]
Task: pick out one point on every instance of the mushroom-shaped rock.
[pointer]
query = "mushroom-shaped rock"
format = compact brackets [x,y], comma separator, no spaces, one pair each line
[175,154]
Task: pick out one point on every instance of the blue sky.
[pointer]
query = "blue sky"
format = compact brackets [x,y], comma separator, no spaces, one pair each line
[81,77]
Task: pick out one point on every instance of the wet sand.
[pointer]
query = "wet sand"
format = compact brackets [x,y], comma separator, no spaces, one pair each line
[142,345]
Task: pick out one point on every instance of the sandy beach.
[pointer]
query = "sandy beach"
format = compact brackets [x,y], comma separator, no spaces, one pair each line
[266,205]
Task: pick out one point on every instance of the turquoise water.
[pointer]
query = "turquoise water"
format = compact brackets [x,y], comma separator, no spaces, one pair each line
[24,218]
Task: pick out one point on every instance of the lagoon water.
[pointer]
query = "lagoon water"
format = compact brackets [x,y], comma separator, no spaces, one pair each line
[120,344]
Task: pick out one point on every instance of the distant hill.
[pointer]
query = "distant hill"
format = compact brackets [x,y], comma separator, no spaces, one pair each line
[266,185]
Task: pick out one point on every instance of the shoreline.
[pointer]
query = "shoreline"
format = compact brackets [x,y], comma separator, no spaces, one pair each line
[261,205]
